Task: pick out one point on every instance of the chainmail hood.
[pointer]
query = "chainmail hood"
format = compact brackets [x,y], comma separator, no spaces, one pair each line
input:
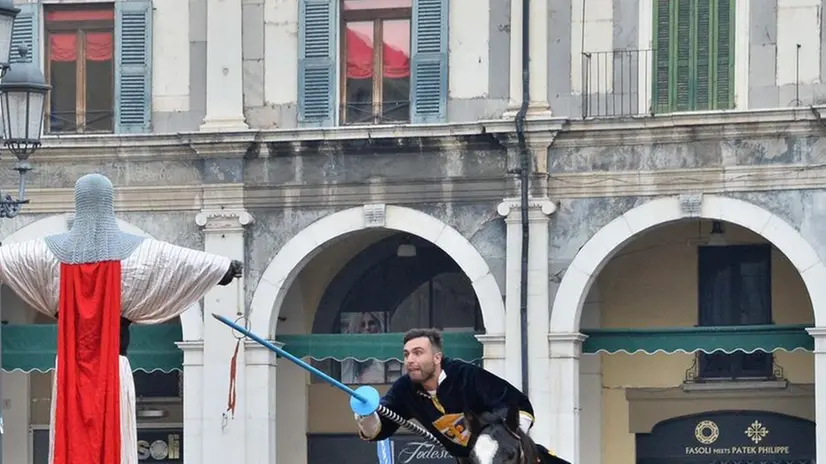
[95,235]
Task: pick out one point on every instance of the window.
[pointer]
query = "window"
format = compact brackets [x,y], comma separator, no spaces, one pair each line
[735,289]
[376,64]
[694,55]
[80,69]
[372,62]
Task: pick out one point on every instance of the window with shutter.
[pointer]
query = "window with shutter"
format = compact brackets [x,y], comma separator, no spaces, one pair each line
[375,86]
[80,68]
[316,71]
[25,33]
[693,60]
[429,80]
[133,72]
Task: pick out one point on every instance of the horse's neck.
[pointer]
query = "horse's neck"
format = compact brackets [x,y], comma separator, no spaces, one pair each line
[529,450]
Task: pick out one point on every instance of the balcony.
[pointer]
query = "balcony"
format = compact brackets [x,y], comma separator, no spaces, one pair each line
[616,83]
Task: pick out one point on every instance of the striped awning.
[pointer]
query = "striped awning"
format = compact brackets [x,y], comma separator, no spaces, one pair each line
[720,339]
[32,347]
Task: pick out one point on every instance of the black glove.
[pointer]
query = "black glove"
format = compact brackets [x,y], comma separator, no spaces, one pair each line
[236,268]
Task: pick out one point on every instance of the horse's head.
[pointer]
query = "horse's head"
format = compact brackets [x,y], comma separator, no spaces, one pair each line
[496,438]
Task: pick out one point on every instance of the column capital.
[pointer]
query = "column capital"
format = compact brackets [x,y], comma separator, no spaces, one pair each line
[565,344]
[193,352]
[493,345]
[223,220]
[543,205]
[256,354]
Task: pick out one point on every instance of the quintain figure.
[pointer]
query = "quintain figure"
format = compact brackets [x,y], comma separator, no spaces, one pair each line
[97,280]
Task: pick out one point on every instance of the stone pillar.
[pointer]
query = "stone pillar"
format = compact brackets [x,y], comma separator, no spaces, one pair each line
[224,75]
[493,346]
[538,66]
[193,399]
[224,437]
[515,89]
[538,295]
[819,334]
[260,399]
[560,430]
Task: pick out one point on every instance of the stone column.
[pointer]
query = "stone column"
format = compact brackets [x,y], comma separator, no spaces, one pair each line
[538,295]
[224,75]
[819,334]
[493,353]
[515,89]
[560,429]
[224,437]
[538,66]
[259,396]
[193,399]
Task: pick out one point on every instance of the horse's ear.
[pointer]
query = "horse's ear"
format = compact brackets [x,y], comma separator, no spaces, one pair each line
[512,418]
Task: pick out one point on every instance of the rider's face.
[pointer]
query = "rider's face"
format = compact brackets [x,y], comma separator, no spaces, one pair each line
[420,360]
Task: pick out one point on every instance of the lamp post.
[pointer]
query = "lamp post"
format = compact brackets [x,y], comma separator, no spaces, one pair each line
[23,92]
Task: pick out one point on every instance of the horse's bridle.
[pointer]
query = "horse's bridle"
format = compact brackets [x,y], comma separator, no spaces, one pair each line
[514,434]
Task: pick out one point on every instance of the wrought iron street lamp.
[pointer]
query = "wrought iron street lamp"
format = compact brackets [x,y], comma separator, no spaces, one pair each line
[23,92]
[22,102]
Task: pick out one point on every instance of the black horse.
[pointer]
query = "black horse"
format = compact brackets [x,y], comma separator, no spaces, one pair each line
[497,439]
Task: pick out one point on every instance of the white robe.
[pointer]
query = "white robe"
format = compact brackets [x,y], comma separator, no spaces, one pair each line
[159,282]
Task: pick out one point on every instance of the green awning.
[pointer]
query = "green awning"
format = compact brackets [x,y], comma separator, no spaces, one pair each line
[32,347]
[726,339]
[382,347]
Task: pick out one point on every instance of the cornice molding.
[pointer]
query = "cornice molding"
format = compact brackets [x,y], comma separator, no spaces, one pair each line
[686,181]
[691,127]
[563,132]
[143,198]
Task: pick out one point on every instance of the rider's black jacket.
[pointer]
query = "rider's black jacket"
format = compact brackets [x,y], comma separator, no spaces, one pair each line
[465,388]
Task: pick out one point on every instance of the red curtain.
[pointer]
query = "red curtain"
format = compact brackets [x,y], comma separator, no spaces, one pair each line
[63,47]
[98,46]
[360,59]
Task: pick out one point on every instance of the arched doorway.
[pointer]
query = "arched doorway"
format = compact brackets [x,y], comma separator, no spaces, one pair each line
[331,276]
[675,323]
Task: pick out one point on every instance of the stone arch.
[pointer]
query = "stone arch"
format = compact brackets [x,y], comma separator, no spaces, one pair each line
[599,249]
[303,247]
[192,325]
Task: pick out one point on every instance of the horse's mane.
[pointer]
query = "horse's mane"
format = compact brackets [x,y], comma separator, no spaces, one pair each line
[498,419]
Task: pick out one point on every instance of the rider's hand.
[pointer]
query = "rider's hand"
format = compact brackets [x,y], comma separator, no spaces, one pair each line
[369,426]
[236,268]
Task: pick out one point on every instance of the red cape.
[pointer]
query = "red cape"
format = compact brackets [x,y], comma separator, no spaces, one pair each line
[87,417]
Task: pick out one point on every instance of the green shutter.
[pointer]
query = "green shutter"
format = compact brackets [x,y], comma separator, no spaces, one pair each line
[693,62]
[429,62]
[662,56]
[703,57]
[133,70]
[316,65]
[26,31]
[684,55]
[723,82]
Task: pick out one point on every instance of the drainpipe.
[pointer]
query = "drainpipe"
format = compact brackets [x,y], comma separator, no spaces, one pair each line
[524,176]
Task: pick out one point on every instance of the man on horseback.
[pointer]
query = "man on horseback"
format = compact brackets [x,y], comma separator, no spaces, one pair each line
[438,392]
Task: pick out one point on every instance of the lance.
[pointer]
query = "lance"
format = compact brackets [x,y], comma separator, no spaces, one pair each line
[363,401]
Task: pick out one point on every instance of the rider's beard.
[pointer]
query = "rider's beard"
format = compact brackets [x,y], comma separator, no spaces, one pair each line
[426,372]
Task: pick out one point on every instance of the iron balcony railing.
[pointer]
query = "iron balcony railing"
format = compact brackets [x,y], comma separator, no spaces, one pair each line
[616,83]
